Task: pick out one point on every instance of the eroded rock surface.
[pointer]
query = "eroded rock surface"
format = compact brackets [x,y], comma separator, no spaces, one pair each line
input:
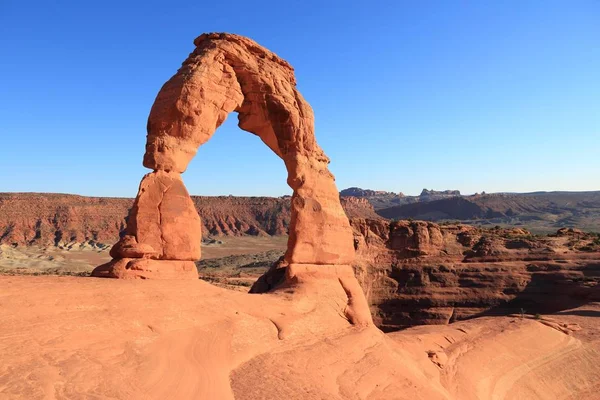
[416,272]
[163,234]
[164,220]
[227,73]
[187,339]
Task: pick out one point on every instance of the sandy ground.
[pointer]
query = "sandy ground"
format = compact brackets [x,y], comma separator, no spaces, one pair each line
[89,338]
[83,258]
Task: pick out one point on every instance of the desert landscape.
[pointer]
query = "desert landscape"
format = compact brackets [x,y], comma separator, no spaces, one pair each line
[357,293]
[412,272]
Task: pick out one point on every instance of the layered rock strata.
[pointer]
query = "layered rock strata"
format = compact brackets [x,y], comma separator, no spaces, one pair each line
[417,272]
[65,220]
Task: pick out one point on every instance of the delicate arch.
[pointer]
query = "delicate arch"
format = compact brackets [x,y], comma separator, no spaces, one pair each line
[228,73]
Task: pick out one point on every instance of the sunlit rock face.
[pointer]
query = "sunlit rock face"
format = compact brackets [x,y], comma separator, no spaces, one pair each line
[227,73]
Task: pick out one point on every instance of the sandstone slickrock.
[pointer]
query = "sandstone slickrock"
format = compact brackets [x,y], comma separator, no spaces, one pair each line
[146,268]
[187,339]
[229,73]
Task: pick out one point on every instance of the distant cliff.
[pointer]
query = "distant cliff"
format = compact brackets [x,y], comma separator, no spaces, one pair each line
[418,272]
[52,219]
[381,199]
[358,192]
[540,211]
[439,193]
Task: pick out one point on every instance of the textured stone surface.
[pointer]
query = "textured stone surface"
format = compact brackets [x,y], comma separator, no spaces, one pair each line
[73,338]
[357,309]
[227,73]
[163,235]
[128,247]
[164,218]
[416,272]
[145,268]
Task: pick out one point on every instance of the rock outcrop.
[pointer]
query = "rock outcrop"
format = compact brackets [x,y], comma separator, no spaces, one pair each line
[227,73]
[188,339]
[163,218]
[358,192]
[49,219]
[439,193]
[163,234]
[417,272]
[356,207]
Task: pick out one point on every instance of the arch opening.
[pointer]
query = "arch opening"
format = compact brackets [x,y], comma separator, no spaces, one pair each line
[236,163]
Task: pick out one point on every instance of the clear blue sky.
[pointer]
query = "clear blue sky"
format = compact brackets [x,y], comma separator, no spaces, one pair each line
[468,95]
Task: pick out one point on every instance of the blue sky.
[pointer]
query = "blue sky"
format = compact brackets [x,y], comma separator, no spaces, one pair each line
[486,95]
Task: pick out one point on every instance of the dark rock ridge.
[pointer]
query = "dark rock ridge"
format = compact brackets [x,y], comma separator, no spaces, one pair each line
[541,211]
[358,192]
[454,208]
[433,193]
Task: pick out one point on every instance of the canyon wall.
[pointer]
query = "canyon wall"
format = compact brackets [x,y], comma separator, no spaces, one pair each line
[416,272]
[48,219]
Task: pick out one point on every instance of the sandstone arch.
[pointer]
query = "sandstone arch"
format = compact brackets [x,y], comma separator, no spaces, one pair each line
[227,73]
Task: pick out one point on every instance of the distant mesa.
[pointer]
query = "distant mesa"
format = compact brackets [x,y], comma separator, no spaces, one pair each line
[380,199]
[358,192]
[425,193]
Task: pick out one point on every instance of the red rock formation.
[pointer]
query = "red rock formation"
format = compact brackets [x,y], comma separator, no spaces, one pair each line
[356,207]
[416,272]
[163,234]
[48,219]
[227,73]
[163,219]
[415,238]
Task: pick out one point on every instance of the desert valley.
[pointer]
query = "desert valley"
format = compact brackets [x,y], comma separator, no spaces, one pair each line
[356,293]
